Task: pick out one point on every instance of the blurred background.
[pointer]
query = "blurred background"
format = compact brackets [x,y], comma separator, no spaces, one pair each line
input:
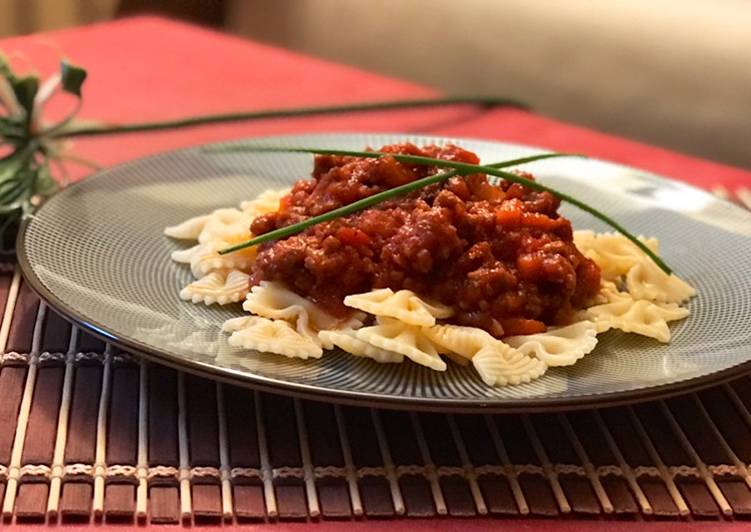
[675,73]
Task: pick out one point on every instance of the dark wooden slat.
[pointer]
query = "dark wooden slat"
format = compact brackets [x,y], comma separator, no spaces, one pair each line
[164,505]
[207,503]
[443,452]
[477,439]
[122,428]
[742,387]
[667,445]
[119,502]
[579,493]
[81,444]
[242,435]
[55,333]
[241,427]
[709,446]
[698,498]
[518,446]
[164,502]
[88,343]
[536,488]
[625,436]
[618,424]
[496,492]
[375,492]
[600,454]
[249,502]
[5,281]
[672,453]
[12,381]
[203,429]
[553,438]
[281,433]
[585,426]
[75,503]
[31,501]
[162,417]
[736,493]
[22,324]
[620,495]
[122,441]
[495,489]
[203,445]
[322,434]
[291,501]
[41,428]
[559,449]
[538,495]
[729,422]
[658,496]
[698,431]
[458,497]
[418,498]
[325,450]
[333,498]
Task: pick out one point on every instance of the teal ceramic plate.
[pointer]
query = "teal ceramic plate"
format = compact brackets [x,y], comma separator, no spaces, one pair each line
[96,252]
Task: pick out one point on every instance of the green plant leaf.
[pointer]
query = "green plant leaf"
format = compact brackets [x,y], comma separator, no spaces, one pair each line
[44,183]
[72,77]
[25,90]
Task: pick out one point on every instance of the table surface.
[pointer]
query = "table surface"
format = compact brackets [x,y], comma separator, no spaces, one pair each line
[149,69]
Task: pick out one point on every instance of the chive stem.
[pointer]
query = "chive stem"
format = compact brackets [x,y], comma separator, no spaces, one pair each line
[108,129]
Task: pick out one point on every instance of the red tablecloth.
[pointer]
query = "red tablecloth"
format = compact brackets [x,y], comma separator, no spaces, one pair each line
[148,69]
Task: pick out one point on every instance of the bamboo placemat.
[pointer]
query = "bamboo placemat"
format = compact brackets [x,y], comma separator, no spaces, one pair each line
[89,434]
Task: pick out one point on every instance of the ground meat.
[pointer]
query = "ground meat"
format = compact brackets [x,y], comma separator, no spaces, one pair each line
[501,255]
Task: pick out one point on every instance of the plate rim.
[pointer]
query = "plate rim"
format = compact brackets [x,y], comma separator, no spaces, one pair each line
[353,397]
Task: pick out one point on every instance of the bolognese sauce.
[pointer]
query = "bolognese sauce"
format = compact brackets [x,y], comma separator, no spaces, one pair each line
[500,255]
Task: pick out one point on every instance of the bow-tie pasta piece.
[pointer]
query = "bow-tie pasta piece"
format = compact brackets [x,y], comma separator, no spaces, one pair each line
[347,340]
[408,340]
[189,229]
[204,258]
[267,201]
[272,336]
[403,305]
[221,287]
[499,364]
[562,346]
[230,226]
[612,252]
[273,300]
[464,341]
[647,281]
[640,317]
[235,324]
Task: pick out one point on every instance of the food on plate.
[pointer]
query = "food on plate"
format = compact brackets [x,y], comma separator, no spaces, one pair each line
[470,269]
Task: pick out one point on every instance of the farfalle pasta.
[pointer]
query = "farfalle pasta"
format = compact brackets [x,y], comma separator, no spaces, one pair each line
[403,305]
[562,346]
[219,286]
[434,281]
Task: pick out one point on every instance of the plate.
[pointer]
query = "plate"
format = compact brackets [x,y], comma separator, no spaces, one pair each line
[96,252]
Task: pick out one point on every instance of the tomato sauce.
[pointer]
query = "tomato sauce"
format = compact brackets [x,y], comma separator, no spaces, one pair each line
[500,255]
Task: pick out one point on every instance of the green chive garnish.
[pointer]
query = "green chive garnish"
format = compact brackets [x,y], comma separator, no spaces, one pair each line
[458,168]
